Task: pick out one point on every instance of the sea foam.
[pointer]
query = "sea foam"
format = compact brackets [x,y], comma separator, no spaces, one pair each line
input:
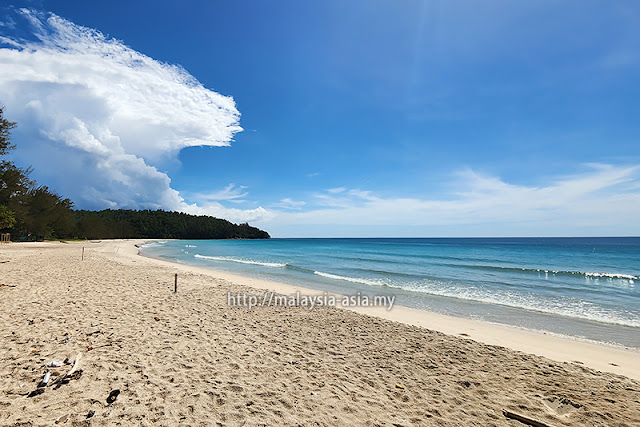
[243,261]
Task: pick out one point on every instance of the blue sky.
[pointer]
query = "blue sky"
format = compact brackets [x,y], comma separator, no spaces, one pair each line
[359,118]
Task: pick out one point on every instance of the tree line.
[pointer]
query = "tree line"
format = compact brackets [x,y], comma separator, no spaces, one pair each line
[33,212]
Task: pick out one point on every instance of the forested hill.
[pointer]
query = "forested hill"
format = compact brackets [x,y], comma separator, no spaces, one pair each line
[148,224]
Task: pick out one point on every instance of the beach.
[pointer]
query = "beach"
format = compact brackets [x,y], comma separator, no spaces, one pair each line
[189,357]
[585,288]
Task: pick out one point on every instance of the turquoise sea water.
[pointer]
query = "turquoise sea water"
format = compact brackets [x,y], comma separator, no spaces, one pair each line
[583,287]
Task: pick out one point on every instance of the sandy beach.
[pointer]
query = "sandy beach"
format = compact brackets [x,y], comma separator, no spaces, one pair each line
[190,358]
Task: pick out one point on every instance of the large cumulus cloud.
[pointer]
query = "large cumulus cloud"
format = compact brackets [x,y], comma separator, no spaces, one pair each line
[98,118]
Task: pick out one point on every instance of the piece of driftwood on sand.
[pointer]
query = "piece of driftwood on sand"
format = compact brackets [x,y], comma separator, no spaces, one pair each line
[523,419]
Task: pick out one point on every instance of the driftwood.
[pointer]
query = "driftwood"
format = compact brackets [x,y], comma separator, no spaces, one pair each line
[523,419]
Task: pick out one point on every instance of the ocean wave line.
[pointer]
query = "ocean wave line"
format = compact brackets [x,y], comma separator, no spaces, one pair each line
[371,282]
[504,299]
[557,272]
[242,261]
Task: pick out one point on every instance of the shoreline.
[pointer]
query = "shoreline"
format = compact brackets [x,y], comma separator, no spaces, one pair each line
[606,357]
[190,357]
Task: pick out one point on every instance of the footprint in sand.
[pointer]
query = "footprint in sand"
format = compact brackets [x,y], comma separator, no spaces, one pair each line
[561,405]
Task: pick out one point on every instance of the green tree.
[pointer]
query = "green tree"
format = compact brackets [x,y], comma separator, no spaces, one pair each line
[14,182]
[5,133]
[9,175]
[7,219]
[46,214]
[34,210]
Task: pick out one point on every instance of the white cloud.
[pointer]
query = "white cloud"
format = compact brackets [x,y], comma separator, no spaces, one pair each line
[9,23]
[232,214]
[603,200]
[342,197]
[336,190]
[288,203]
[97,118]
[231,193]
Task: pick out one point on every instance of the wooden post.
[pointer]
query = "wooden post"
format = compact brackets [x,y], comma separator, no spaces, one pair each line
[83,253]
[175,287]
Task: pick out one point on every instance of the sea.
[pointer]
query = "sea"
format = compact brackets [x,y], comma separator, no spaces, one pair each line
[585,288]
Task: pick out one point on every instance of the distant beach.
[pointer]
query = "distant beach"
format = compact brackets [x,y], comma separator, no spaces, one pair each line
[147,355]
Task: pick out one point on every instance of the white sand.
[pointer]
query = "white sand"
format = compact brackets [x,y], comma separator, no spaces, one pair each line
[189,358]
[601,357]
